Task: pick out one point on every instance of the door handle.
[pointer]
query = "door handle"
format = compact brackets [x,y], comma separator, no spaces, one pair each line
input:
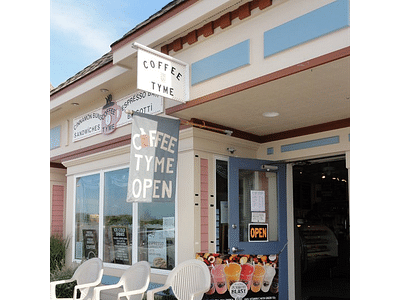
[234,250]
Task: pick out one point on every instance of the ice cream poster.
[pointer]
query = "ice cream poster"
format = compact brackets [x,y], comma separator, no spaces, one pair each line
[242,276]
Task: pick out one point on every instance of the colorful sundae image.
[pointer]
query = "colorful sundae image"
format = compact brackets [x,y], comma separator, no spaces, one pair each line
[257,272]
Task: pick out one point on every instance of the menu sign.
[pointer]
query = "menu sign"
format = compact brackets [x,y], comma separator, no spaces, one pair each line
[120,241]
[157,247]
[254,277]
[90,243]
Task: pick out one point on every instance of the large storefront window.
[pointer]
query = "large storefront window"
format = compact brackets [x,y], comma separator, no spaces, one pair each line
[118,232]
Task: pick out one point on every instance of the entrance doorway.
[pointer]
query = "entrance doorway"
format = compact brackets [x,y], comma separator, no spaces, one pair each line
[321,212]
[251,224]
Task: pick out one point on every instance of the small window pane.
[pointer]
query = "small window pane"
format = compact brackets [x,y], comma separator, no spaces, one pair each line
[157,234]
[117,218]
[258,202]
[222,209]
[87,216]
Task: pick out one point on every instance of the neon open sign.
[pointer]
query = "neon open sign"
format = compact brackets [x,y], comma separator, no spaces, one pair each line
[258,232]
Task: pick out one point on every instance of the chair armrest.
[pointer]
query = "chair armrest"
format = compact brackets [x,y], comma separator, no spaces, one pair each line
[53,286]
[192,296]
[150,293]
[98,289]
[61,281]
[130,293]
[82,286]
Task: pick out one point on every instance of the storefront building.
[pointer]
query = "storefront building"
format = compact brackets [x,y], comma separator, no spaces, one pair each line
[269,101]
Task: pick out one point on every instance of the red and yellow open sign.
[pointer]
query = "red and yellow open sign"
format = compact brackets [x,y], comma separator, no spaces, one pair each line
[258,232]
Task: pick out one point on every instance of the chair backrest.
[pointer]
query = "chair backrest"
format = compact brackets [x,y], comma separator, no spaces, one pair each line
[189,277]
[90,271]
[135,278]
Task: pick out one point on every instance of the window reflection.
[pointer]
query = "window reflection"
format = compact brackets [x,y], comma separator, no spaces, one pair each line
[147,229]
[157,234]
[117,218]
[87,216]
[256,186]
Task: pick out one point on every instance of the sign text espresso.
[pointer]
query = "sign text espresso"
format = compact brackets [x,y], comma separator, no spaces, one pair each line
[100,121]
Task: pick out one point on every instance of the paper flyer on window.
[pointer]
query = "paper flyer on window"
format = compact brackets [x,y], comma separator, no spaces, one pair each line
[253,277]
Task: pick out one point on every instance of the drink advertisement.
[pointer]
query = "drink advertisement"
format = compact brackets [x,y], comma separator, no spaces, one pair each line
[242,276]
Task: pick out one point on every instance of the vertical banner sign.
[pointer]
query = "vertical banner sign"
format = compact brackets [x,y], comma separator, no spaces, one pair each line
[162,74]
[153,159]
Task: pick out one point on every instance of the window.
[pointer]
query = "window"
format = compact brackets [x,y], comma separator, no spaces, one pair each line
[118,232]
[221,212]
[157,234]
[117,218]
[87,216]
[55,137]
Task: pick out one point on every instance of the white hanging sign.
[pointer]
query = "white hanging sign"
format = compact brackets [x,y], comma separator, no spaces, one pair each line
[162,74]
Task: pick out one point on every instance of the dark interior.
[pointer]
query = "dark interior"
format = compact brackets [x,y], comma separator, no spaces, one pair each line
[322,235]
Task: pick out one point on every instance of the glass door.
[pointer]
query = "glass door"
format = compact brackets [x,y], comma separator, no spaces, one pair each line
[257,212]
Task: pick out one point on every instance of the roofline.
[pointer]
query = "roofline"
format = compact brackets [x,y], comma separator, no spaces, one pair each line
[154,20]
[170,10]
[67,87]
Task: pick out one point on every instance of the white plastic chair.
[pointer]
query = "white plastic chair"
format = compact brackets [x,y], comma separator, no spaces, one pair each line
[88,275]
[134,281]
[189,281]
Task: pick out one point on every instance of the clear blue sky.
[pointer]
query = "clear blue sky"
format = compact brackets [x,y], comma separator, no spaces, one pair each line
[81,31]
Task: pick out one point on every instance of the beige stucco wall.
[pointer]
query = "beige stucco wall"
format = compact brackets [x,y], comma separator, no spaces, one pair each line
[329,150]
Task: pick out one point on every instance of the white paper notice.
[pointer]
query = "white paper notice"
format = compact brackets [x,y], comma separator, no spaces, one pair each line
[169,227]
[157,249]
[257,217]
[257,200]
[224,211]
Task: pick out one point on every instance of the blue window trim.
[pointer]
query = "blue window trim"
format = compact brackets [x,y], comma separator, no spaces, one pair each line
[312,25]
[311,144]
[221,62]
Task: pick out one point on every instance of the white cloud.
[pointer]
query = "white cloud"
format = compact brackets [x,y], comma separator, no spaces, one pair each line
[81,24]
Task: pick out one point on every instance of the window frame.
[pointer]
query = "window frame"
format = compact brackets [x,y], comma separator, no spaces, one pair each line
[135,225]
